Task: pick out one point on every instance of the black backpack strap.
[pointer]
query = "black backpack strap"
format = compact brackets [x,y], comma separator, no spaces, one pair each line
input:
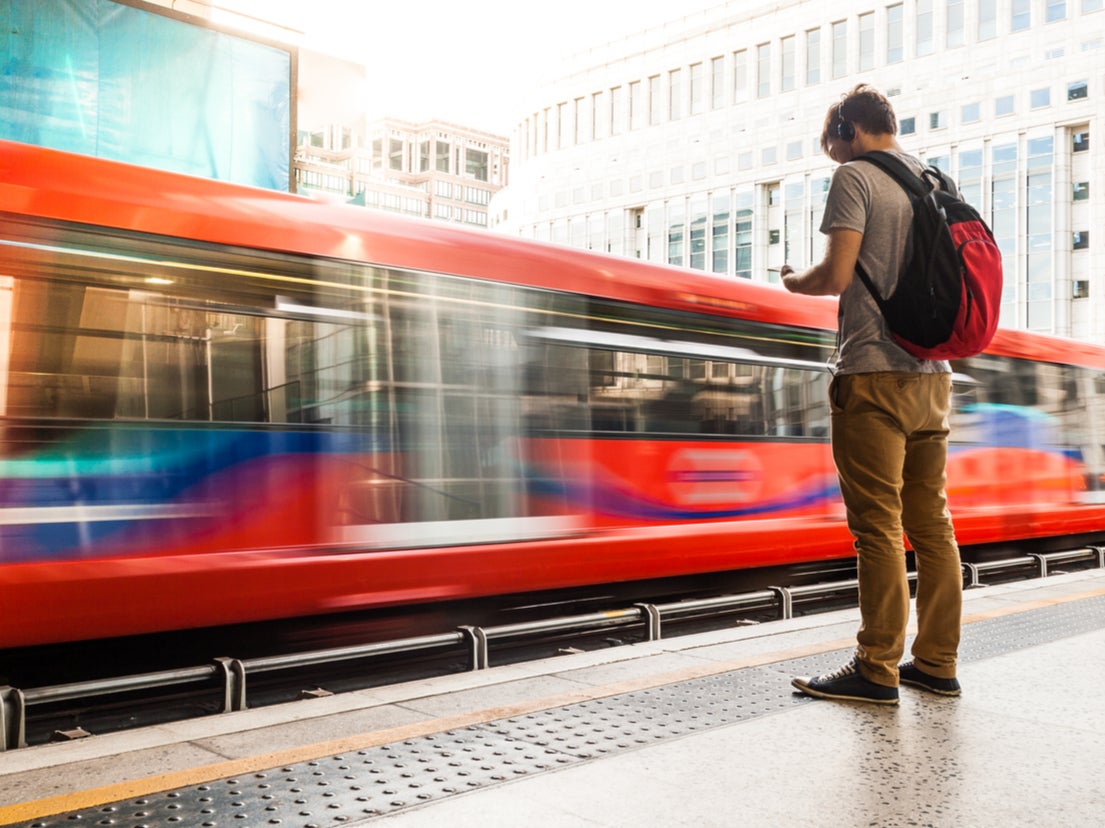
[907,179]
[867,283]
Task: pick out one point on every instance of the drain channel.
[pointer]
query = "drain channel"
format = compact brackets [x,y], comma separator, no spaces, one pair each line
[357,786]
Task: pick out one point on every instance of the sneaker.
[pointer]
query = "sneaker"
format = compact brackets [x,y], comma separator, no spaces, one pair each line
[910,673]
[848,684]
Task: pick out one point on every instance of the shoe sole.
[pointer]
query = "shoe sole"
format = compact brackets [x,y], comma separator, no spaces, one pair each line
[929,687]
[821,694]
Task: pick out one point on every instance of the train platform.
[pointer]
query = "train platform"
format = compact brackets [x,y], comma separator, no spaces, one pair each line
[700,730]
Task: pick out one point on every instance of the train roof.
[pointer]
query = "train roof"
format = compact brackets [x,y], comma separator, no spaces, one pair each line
[55,185]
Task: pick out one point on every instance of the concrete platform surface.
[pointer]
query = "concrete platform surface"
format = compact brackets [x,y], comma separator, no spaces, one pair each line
[700,730]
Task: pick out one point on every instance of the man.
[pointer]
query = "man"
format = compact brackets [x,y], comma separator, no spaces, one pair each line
[889,424]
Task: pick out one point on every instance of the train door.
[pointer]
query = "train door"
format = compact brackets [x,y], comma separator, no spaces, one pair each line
[444,401]
[686,430]
[1021,441]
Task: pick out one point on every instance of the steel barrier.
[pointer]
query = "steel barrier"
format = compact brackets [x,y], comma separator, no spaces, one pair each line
[231,673]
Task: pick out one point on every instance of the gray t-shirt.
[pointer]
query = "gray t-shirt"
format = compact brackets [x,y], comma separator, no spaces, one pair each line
[864,198]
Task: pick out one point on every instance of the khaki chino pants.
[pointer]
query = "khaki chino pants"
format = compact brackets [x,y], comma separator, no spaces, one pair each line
[890,446]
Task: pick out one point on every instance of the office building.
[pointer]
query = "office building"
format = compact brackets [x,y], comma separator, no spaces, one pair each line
[696,143]
[433,169]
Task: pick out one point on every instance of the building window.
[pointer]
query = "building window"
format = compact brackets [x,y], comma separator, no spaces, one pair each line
[698,234]
[475,164]
[655,96]
[813,57]
[763,70]
[895,50]
[866,41]
[971,113]
[1039,98]
[1077,90]
[619,115]
[787,76]
[987,19]
[794,150]
[585,125]
[970,176]
[1081,240]
[955,24]
[1081,191]
[1056,10]
[1003,217]
[676,217]
[924,28]
[1021,15]
[474,195]
[1081,289]
[793,223]
[1040,239]
[740,75]
[395,154]
[717,81]
[719,235]
[840,49]
[600,116]
[907,126]
[938,120]
[768,156]
[636,110]
[1080,141]
[675,96]
[742,240]
[1092,6]
[1003,105]
[698,91]
[819,191]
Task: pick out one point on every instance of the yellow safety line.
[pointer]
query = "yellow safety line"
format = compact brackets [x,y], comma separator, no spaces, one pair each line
[146,786]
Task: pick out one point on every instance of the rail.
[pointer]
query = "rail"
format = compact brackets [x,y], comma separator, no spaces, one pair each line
[231,673]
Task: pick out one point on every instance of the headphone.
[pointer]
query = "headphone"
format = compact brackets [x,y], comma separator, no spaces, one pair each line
[845,131]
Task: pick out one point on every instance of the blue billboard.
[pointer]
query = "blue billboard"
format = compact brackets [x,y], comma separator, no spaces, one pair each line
[135,83]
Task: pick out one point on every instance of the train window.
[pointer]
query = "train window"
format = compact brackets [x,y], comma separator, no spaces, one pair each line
[1037,405]
[663,393]
[102,353]
[648,372]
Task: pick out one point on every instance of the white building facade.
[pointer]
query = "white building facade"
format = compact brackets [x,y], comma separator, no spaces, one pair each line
[697,143]
[433,169]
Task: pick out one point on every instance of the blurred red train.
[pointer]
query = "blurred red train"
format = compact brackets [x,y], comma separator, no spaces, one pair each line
[220,404]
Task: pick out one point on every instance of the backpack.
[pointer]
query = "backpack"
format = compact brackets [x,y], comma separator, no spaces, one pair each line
[948,296]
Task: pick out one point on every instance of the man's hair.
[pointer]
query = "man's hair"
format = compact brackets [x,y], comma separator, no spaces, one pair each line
[864,106]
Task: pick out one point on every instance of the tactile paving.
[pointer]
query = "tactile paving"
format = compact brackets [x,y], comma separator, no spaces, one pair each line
[353,788]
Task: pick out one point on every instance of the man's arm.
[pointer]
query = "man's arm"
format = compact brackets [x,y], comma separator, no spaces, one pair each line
[834,273]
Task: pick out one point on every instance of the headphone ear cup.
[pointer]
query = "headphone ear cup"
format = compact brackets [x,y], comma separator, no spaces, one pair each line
[846,131]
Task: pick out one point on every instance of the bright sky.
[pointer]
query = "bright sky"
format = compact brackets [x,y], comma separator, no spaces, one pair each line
[468,62]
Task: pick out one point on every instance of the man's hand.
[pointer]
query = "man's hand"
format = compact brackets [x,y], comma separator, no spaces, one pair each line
[789,277]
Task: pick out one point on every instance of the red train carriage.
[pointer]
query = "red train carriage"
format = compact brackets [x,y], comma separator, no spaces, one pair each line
[220,404]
